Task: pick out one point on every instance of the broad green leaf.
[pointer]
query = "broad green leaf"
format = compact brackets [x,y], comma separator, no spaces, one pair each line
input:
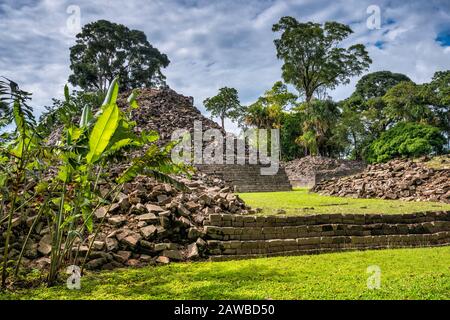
[130,173]
[64,173]
[120,144]
[86,116]
[123,137]
[102,132]
[113,91]
[87,218]
[66,93]
[132,99]
[150,136]
[19,118]
[3,179]
[74,133]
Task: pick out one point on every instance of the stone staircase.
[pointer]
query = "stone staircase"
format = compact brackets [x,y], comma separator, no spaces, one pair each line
[248,178]
[240,236]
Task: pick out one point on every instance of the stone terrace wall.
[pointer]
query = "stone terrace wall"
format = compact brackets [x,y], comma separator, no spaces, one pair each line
[232,236]
[248,178]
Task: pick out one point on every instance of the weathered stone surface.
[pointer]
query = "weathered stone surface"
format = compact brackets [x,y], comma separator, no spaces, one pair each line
[194,233]
[396,179]
[122,256]
[98,245]
[153,208]
[286,235]
[95,263]
[165,246]
[45,245]
[173,254]
[132,240]
[192,251]
[101,212]
[163,260]
[148,217]
[42,263]
[133,263]
[117,220]
[200,243]
[138,209]
[148,231]
[183,211]
[147,245]
[111,244]
[145,258]
[163,199]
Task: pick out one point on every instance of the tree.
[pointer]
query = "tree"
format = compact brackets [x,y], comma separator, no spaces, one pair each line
[406,139]
[319,120]
[439,91]
[376,84]
[104,50]
[351,130]
[408,101]
[225,104]
[313,56]
[12,97]
[267,111]
[290,130]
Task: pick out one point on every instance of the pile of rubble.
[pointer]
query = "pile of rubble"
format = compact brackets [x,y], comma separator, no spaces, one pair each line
[164,110]
[397,179]
[147,223]
[310,165]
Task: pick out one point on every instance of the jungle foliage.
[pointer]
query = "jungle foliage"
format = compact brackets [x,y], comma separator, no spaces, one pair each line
[68,196]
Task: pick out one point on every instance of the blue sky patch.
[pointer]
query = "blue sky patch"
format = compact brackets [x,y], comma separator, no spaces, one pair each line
[379,44]
[443,38]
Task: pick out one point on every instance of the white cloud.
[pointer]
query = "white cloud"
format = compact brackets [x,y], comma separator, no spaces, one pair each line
[216,43]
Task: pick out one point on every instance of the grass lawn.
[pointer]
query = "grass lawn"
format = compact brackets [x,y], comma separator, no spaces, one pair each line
[301,202]
[405,274]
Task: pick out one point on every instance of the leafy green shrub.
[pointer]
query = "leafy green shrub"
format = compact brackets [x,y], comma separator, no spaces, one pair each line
[68,198]
[406,139]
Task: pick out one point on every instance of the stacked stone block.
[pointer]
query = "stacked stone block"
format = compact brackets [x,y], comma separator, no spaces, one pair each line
[233,236]
[248,177]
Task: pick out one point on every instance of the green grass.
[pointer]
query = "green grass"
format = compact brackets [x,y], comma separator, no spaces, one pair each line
[405,274]
[301,202]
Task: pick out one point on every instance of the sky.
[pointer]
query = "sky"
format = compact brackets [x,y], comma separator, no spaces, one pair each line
[212,44]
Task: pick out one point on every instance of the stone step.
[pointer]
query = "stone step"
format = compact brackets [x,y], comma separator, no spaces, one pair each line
[248,178]
[328,244]
[323,230]
[262,188]
[242,236]
[231,220]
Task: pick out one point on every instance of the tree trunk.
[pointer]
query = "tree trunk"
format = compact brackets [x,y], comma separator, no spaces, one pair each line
[308,97]
[222,119]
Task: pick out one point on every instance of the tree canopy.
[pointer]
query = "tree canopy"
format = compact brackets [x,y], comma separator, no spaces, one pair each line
[376,84]
[104,50]
[225,104]
[267,111]
[406,139]
[313,55]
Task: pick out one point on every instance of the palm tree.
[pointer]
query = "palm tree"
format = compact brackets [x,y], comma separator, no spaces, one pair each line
[319,116]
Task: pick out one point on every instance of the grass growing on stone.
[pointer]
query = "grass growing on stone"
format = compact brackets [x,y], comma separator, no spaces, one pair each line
[422,273]
[301,202]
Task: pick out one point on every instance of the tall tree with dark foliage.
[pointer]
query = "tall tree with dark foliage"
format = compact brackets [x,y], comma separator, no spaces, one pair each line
[104,50]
